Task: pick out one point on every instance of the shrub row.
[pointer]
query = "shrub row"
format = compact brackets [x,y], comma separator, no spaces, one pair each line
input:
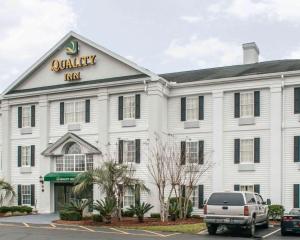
[21,209]
[70,215]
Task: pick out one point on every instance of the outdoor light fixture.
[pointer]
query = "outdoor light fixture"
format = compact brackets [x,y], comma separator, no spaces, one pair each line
[42,183]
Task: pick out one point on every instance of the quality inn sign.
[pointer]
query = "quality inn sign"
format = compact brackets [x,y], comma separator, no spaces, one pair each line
[72,62]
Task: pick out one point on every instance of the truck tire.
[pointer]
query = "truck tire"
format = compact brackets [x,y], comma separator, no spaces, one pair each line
[212,229]
[266,224]
[250,231]
[283,232]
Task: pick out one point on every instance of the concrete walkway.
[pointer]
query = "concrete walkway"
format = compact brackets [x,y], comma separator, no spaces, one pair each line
[34,219]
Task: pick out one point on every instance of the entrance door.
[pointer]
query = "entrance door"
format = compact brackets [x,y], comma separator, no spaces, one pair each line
[63,195]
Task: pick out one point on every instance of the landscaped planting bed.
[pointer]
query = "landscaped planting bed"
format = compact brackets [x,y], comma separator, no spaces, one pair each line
[15,211]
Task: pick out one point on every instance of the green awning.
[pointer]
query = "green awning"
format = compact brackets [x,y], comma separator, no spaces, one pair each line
[60,176]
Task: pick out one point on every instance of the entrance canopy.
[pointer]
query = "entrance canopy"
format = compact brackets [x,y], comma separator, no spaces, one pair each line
[61,176]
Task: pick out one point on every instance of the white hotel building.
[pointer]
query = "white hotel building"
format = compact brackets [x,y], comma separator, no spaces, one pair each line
[247,116]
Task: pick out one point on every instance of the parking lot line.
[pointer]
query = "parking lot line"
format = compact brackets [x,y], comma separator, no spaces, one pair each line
[26,225]
[155,233]
[52,225]
[118,230]
[271,233]
[91,230]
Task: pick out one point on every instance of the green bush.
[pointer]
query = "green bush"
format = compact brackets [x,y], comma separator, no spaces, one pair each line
[21,209]
[140,209]
[155,215]
[127,213]
[70,215]
[174,201]
[276,211]
[97,218]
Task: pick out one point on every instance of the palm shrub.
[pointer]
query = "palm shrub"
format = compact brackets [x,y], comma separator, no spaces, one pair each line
[77,205]
[177,200]
[140,210]
[173,209]
[106,208]
[6,192]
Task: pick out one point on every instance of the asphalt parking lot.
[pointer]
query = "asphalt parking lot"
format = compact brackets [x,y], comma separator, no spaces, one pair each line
[27,231]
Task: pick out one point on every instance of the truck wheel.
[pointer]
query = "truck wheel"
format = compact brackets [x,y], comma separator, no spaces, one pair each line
[251,229]
[212,229]
[283,232]
[266,225]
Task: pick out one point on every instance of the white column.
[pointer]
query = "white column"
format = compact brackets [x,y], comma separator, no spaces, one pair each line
[45,203]
[103,129]
[218,116]
[276,145]
[6,140]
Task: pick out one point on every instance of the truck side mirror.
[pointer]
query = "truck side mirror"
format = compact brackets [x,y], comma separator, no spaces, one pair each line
[269,201]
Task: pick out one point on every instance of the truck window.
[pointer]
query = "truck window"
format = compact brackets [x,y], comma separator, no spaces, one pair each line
[232,199]
[250,198]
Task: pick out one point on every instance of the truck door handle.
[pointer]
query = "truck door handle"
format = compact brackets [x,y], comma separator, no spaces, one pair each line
[225,207]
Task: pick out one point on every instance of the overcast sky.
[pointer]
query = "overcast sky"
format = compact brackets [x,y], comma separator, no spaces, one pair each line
[161,35]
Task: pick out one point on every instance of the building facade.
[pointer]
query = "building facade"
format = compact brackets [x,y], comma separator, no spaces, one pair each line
[81,101]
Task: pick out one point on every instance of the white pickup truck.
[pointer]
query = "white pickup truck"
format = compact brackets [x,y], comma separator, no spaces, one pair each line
[243,210]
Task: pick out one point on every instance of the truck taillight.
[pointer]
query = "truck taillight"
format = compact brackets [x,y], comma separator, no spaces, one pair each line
[246,211]
[205,209]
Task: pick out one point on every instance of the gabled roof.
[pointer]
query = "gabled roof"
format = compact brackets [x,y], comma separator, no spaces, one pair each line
[92,149]
[61,43]
[233,71]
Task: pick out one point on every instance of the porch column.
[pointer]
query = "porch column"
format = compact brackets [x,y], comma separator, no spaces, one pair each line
[45,203]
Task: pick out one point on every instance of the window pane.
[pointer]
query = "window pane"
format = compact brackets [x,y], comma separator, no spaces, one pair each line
[192,108]
[69,163]
[89,162]
[247,104]
[59,164]
[26,194]
[26,156]
[129,107]
[192,152]
[79,111]
[79,162]
[26,116]
[129,197]
[69,112]
[129,151]
[247,151]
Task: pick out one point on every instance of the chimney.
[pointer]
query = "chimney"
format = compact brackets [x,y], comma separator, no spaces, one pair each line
[250,52]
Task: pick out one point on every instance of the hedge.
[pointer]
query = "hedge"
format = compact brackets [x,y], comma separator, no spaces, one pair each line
[276,211]
[21,209]
[127,213]
[69,215]
[155,215]
[97,218]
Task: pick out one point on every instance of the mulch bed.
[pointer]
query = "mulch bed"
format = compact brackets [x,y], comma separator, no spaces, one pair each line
[131,222]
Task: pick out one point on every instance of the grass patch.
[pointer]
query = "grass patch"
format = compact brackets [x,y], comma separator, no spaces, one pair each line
[182,228]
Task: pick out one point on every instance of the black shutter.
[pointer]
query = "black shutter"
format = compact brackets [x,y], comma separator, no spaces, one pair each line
[182,152]
[19,195]
[137,193]
[297,100]
[137,106]
[200,196]
[182,190]
[296,148]
[19,117]
[237,105]
[183,109]
[33,116]
[120,151]
[256,103]
[120,107]
[62,113]
[256,150]
[32,195]
[257,188]
[236,187]
[19,156]
[201,107]
[296,196]
[87,111]
[236,151]
[32,150]
[137,150]
[201,152]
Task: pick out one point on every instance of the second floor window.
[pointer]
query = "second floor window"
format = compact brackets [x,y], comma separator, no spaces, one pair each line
[129,107]
[26,156]
[26,117]
[75,112]
[247,151]
[192,152]
[247,188]
[247,104]
[129,151]
[192,108]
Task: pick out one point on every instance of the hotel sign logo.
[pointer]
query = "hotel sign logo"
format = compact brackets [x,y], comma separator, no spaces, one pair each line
[73,62]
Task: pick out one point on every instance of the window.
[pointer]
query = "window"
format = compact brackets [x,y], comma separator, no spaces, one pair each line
[74,112]
[250,198]
[79,163]
[129,151]
[26,116]
[192,108]
[194,197]
[26,194]
[59,164]
[69,163]
[192,152]
[89,162]
[247,104]
[129,197]
[129,107]
[26,156]
[247,151]
[247,188]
